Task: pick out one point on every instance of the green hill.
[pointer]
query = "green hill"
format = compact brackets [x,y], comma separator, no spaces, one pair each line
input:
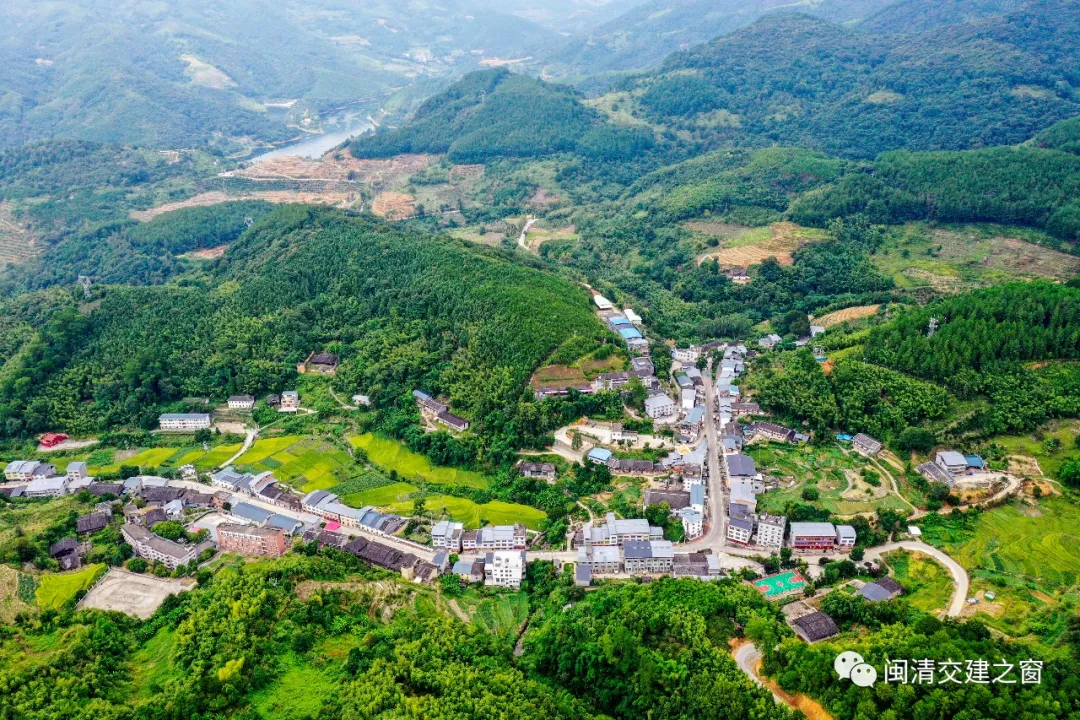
[494,113]
[404,311]
[919,15]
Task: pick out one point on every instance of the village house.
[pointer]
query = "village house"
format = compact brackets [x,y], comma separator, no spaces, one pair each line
[740,530]
[619,434]
[693,522]
[241,402]
[87,524]
[686,355]
[447,535]
[676,499]
[815,627]
[502,537]
[290,402]
[617,531]
[27,470]
[273,400]
[659,406]
[865,445]
[66,554]
[470,570]
[77,471]
[738,275]
[636,468]
[610,381]
[250,540]
[951,462]
[777,433]
[845,537]
[642,367]
[504,568]
[770,530]
[770,341]
[651,556]
[55,486]
[601,560]
[151,547]
[742,409]
[319,364]
[184,422]
[544,471]
[599,455]
[935,473]
[602,303]
[812,536]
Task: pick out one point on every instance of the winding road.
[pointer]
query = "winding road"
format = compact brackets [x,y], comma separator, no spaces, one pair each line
[961,582]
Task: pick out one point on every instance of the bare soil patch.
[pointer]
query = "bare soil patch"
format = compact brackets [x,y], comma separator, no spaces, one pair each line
[127,592]
[17,243]
[393,205]
[338,199]
[783,239]
[209,253]
[336,167]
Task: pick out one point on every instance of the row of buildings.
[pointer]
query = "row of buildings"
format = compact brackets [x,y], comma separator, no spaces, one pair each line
[643,557]
[438,412]
[949,465]
[39,479]
[452,536]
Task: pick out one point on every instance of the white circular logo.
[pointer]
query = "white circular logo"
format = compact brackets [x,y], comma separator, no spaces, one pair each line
[845,661]
[863,675]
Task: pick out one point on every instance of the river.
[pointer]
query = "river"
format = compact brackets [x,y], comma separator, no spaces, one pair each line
[338,130]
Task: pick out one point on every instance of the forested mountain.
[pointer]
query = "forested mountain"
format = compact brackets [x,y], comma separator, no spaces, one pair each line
[805,81]
[191,73]
[491,114]
[919,15]
[1007,353]
[645,35]
[404,310]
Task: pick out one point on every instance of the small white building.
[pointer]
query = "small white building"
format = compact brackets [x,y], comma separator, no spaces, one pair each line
[740,530]
[447,535]
[632,316]
[659,406]
[951,462]
[77,470]
[866,445]
[361,401]
[770,531]
[689,398]
[687,355]
[47,487]
[504,568]
[184,422]
[241,402]
[693,522]
[290,401]
[602,302]
[845,537]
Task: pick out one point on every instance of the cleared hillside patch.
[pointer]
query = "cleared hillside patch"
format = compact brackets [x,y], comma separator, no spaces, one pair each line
[743,249]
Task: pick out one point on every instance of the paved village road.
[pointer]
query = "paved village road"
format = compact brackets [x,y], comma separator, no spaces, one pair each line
[714,539]
[249,439]
[747,657]
[961,582]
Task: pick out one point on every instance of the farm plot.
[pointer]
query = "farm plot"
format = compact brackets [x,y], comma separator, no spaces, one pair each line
[1027,555]
[392,455]
[851,313]
[305,463]
[756,245]
[472,515]
[382,496]
[17,243]
[16,592]
[834,474]
[55,589]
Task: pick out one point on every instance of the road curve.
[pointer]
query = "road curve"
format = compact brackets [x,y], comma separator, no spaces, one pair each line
[747,658]
[961,582]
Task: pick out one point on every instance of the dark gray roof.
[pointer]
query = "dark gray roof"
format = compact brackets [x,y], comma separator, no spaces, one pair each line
[100,489]
[637,549]
[63,547]
[740,523]
[741,465]
[816,626]
[91,523]
[155,516]
[676,499]
[874,592]
[890,584]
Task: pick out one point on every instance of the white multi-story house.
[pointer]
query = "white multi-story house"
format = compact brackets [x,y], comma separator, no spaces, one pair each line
[290,401]
[659,406]
[845,537]
[447,535]
[693,522]
[687,355]
[54,486]
[77,470]
[184,422]
[502,537]
[618,531]
[740,530]
[601,560]
[650,556]
[151,547]
[504,568]
[241,402]
[26,470]
[770,531]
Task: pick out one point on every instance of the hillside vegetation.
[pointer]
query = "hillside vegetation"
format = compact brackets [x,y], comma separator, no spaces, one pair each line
[404,310]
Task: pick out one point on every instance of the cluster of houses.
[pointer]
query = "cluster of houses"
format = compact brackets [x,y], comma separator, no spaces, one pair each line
[815,626]
[772,340]
[437,412]
[632,546]
[625,323]
[381,555]
[949,465]
[327,505]
[34,479]
[189,422]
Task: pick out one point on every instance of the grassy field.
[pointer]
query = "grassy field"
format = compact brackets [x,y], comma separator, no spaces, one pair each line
[835,474]
[1065,431]
[152,663]
[34,517]
[392,455]
[1029,556]
[927,585]
[473,515]
[107,462]
[299,691]
[11,603]
[57,589]
[502,615]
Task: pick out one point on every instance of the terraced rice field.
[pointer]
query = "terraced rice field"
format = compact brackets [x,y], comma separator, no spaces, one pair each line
[382,496]
[57,588]
[305,463]
[392,455]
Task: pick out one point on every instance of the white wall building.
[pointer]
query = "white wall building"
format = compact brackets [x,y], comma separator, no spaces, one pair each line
[184,422]
[290,401]
[241,402]
[504,568]
[659,406]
